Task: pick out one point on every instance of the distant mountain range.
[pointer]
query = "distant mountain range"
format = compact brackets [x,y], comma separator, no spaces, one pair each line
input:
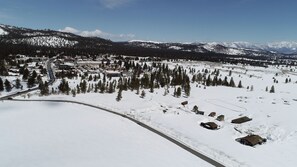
[57,39]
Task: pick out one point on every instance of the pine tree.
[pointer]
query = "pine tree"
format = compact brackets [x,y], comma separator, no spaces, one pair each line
[239,85]
[266,89]
[142,95]
[83,86]
[7,85]
[90,78]
[26,74]
[208,81]
[73,92]
[232,84]
[18,83]
[187,89]
[225,82]
[1,85]
[272,89]
[178,92]
[119,96]
[195,109]
[77,89]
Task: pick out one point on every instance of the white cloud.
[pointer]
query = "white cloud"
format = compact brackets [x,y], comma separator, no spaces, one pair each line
[111,4]
[70,30]
[98,33]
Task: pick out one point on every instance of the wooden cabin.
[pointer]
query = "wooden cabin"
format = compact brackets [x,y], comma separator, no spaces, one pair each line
[212,114]
[251,140]
[209,125]
[241,120]
[221,118]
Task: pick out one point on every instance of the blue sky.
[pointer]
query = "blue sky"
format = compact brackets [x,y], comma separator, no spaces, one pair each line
[257,21]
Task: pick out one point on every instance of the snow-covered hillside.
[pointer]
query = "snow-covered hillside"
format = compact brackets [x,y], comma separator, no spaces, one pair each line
[49,41]
[280,47]
[2,32]
[47,38]
[35,134]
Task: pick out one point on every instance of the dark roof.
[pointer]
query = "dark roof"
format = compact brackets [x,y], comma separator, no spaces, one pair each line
[251,140]
[241,120]
[221,118]
[184,103]
[209,125]
[212,114]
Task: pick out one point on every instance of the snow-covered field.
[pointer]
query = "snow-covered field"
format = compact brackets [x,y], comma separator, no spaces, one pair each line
[273,114]
[38,134]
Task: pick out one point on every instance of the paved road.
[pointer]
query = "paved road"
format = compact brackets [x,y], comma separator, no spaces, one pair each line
[50,81]
[178,143]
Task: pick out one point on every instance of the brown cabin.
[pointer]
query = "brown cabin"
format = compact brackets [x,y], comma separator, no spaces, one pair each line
[221,118]
[212,114]
[241,120]
[209,125]
[200,112]
[251,140]
[184,103]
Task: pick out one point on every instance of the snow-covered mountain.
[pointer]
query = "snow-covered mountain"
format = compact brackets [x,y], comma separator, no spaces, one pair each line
[220,48]
[57,39]
[47,38]
[278,47]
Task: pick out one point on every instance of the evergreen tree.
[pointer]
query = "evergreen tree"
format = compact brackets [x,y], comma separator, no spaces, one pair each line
[1,85]
[225,82]
[232,84]
[110,88]
[119,96]
[272,89]
[73,92]
[178,92]
[7,85]
[239,85]
[78,89]
[31,82]
[187,89]
[90,78]
[208,81]
[266,89]
[83,86]
[18,83]
[102,88]
[142,95]
[26,74]
[195,109]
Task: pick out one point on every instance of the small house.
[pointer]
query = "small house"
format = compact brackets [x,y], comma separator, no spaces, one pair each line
[221,118]
[241,120]
[184,103]
[209,125]
[251,140]
[200,112]
[212,114]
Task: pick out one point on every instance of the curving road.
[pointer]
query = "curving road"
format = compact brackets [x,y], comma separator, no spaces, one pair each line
[178,143]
